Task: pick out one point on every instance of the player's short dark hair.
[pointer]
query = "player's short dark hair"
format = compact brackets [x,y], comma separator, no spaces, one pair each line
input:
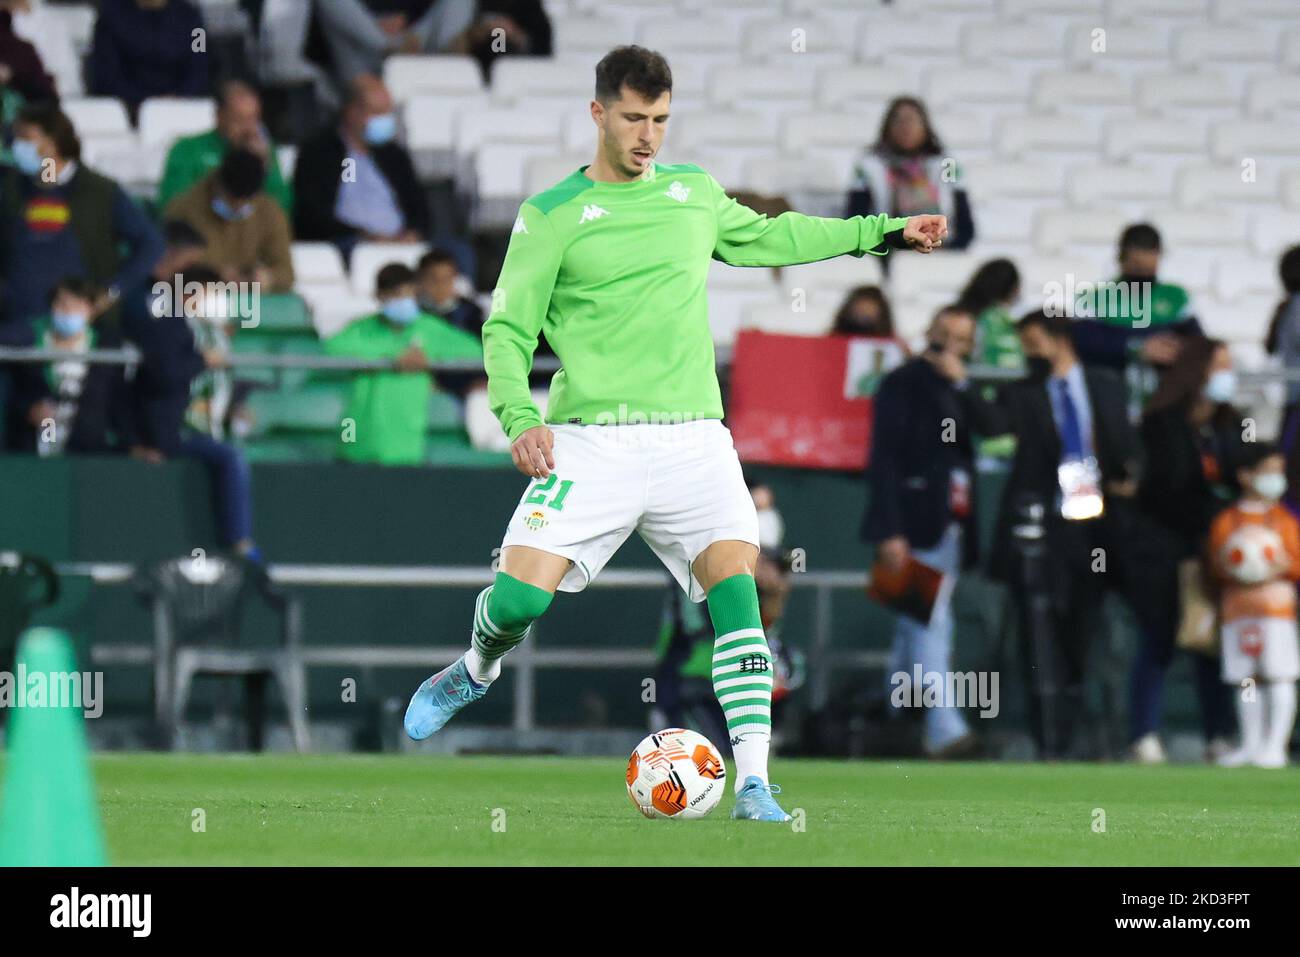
[1058,327]
[1252,454]
[391,276]
[1142,236]
[640,70]
[241,174]
[178,234]
[77,286]
[434,257]
[55,124]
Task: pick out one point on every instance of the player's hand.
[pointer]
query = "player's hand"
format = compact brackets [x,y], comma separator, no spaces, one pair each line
[532,452]
[925,233]
[894,552]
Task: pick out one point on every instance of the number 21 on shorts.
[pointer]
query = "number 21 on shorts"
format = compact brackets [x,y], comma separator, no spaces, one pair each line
[541,489]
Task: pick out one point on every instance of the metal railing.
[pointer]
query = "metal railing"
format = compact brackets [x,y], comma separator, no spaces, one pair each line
[529,657]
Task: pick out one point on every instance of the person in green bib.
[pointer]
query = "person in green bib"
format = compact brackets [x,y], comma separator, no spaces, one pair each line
[1135,324]
[388,411]
[239,126]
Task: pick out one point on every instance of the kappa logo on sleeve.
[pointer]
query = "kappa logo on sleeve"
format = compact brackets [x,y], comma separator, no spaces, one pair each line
[519,226]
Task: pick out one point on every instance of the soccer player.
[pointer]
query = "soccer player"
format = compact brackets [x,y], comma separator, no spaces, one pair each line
[611,264]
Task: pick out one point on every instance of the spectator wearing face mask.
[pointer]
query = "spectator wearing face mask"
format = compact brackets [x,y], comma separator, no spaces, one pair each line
[906,173]
[389,409]
[437,278]
[1192,444]
[246,231]
[67,406]
[354,182]
[60,219]
[239,126]
[145,48]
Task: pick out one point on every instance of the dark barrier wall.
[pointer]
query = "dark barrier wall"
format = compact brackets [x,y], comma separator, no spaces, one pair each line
[111,509]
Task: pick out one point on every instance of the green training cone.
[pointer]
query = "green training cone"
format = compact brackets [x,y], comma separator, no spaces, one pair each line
[49,815]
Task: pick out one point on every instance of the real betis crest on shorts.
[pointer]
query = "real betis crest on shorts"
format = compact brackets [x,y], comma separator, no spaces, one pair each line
[535,521]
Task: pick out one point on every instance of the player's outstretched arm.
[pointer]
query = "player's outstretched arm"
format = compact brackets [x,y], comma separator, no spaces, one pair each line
[747,238]
[519,305]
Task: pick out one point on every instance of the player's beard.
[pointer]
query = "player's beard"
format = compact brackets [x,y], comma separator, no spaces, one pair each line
[620,158]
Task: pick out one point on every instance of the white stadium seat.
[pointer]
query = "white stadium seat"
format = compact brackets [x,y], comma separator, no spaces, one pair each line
[369,258]
[708,36]
[781,39]
[1290,190]
[1273,95]
[1233,140]
[1020,8]
[1002,43]
[775,85]
[514,78]
[498,124]
[804,131]
[543,172]
[318,263]
[999,178]
[1124,138]
[1067,91]
[1063,231]
[1291,50]
[1195,46]
[1051,133]
[407,76]
[973,85]
[1183,10]
[99,116]
[1087,185]
[163,121]
[136,166]
[1246,275]
[1116,45]
[890,36]
[1202,183]
[848,87]
[781,315]
[833,277]
[1201,91]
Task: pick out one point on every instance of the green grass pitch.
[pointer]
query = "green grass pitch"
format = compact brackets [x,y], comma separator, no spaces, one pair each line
[427,810]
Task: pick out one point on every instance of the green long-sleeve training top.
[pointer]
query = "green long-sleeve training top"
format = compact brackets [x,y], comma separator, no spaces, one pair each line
[614,274]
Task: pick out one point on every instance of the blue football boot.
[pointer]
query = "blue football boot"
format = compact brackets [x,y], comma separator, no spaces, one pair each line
[438,699]
[756,803]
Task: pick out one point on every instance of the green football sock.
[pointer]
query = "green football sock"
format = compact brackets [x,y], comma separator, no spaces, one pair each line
[503,613]
[742,673]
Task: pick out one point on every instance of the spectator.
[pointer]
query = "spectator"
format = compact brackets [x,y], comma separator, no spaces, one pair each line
[239,126]
[21,69]
[505,28]
[67,406]
[437,280]
[1284,342]
[1257,608]
[247,233]
[144,48]
[60,219]
[171,370]
[360,34]
[864,312]
[1135,319]
[988,296]
[355,182]
[905,173]
[1072,479]
[1192,444]
[920,500]
[390,409]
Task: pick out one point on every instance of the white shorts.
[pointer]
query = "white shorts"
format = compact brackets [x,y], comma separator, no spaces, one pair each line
[1265,648]
[679,485]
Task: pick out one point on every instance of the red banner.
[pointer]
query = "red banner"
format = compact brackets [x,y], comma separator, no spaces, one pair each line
[806,400]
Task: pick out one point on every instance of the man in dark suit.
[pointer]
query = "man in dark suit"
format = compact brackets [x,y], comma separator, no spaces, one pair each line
[1064,514]
[921,501]
[355,182]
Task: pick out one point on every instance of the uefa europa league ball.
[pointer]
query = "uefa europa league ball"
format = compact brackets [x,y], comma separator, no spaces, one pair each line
[1254,554]
[676,773]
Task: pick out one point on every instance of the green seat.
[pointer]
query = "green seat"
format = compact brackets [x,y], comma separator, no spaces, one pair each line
[282,313]
[263,375]
[318,408]
[298,447]
[444,413]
